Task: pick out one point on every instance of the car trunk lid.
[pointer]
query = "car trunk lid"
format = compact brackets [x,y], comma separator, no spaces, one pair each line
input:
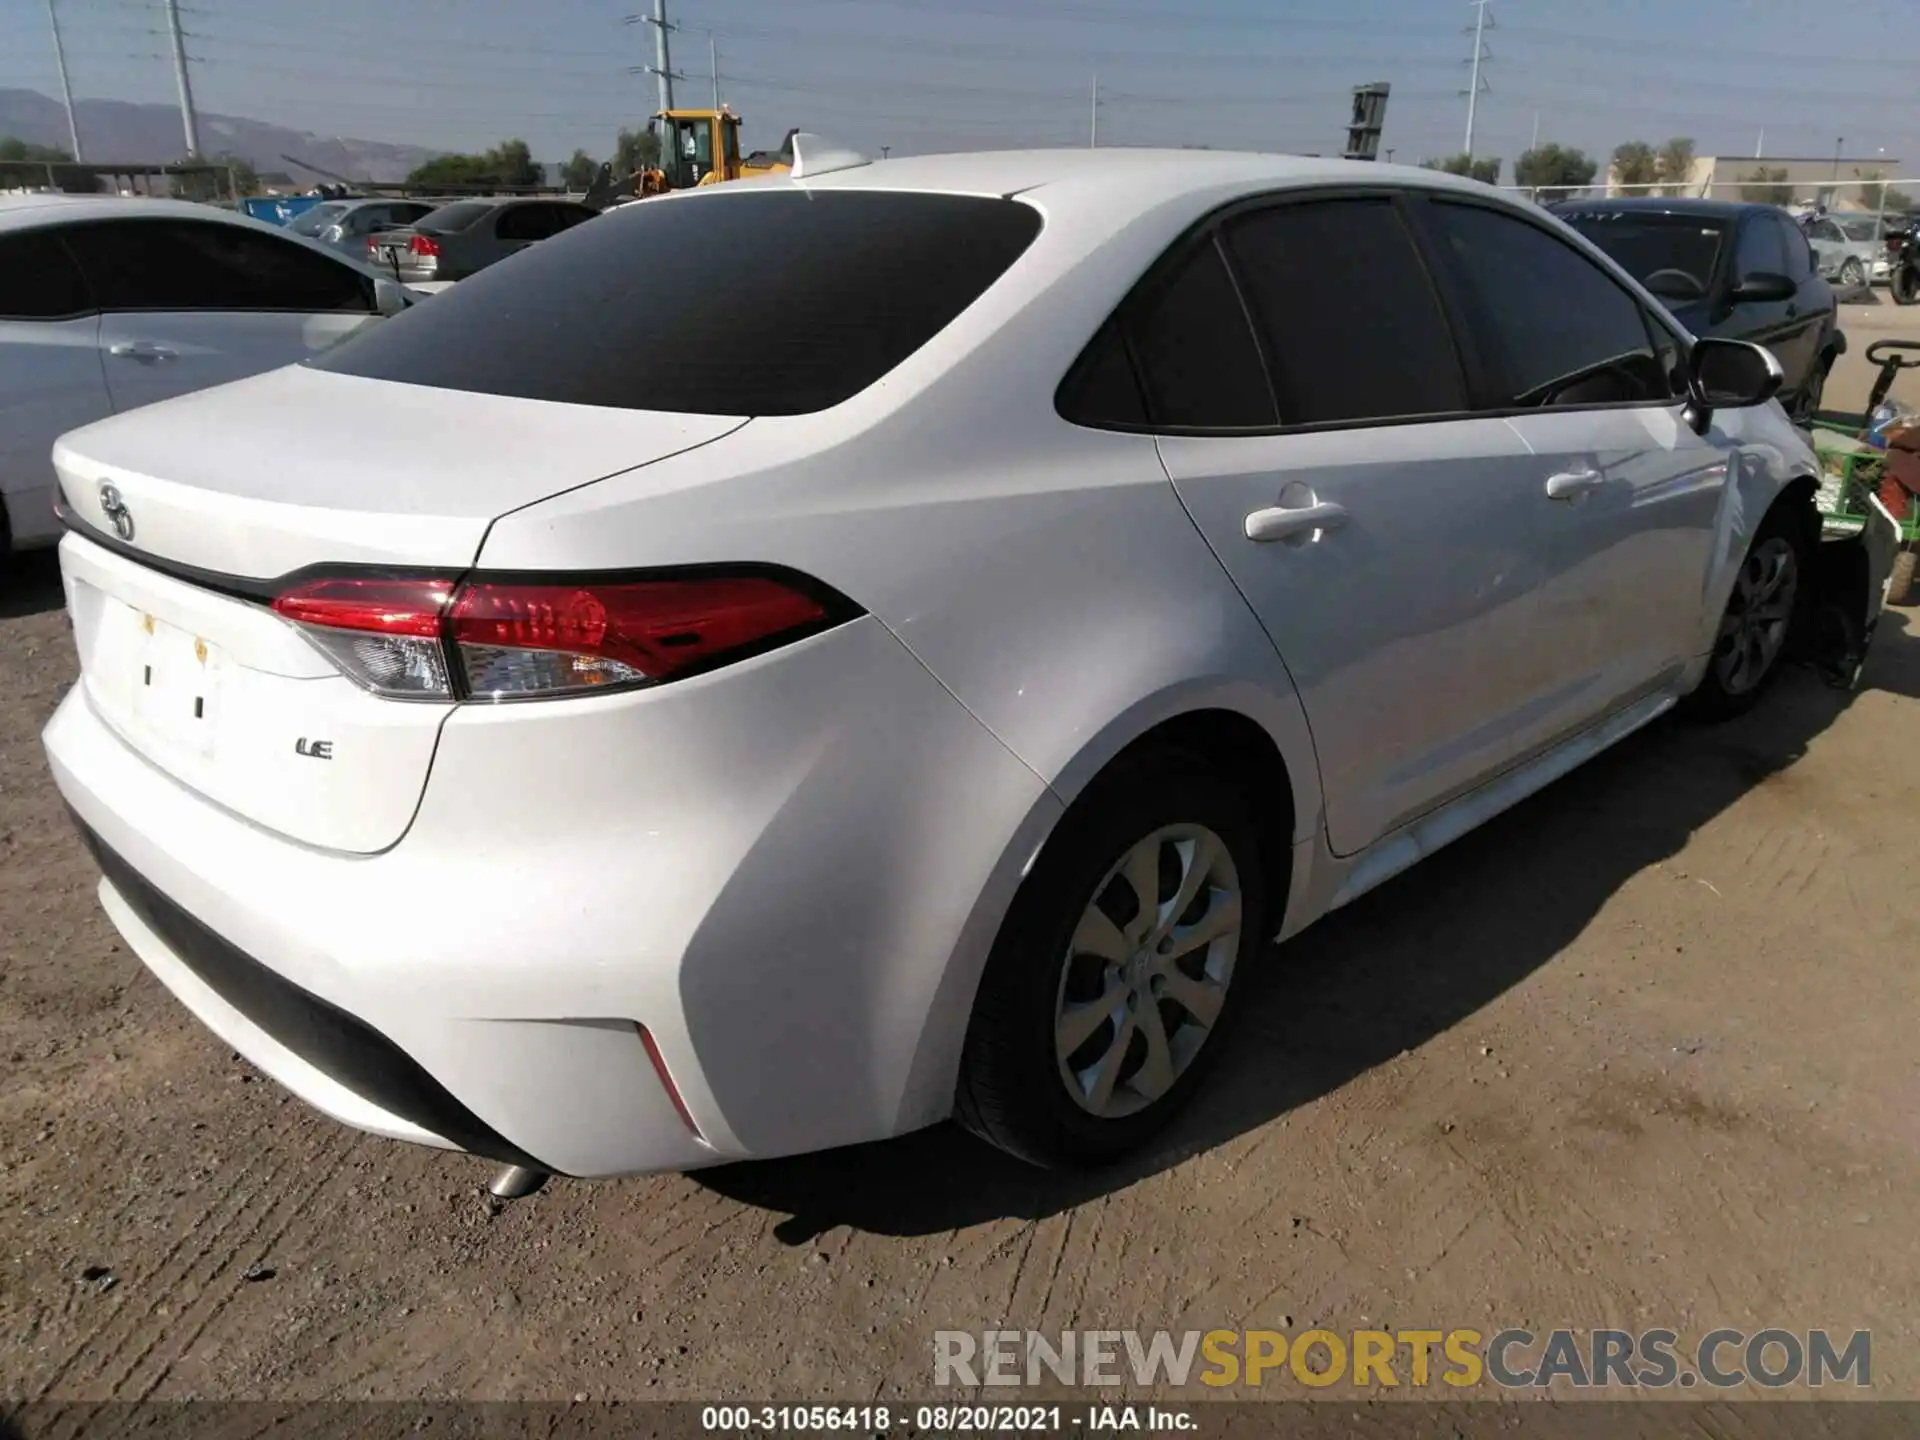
[221,495]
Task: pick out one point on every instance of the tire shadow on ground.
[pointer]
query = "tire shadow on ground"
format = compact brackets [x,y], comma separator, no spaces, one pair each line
[1382,976]
[30,584]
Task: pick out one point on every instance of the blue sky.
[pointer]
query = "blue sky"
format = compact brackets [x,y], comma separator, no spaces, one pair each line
[921,75]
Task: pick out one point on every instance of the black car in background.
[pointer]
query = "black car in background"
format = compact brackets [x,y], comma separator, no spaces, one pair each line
[1743,272]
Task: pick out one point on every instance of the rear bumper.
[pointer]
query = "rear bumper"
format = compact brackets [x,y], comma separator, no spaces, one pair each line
[788,872]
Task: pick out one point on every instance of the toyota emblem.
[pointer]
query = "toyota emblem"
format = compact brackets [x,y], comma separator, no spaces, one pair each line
[115,509]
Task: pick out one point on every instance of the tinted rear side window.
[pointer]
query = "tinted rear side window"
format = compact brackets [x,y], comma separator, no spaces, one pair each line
[38,279]
[1197,356]
[210,265]
[1351,321]
[774,303]
[1101,389]
[456,216]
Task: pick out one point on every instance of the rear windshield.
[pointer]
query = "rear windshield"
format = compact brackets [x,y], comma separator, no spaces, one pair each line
[1651,247]
[779,302]
[456,216]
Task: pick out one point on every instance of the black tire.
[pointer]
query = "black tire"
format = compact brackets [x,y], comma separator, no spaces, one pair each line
[1852,276]
[1904,284]
[1721,696]
[1013,1089]
[1807,404]
[1900,589]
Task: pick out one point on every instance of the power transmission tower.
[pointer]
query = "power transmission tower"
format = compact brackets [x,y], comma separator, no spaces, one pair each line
[187,121]
[1482,22]
[66,90]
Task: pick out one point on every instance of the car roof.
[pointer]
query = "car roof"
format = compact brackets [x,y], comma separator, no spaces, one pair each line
[1667,205]
[1113,185]
[28,212]
[24,211]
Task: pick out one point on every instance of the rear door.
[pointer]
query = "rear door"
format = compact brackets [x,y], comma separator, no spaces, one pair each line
[1381,532]
[50,375]
[191,303]
[1627,494]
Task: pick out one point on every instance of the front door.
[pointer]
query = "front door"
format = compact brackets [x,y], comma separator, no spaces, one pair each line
[1789,327]
[1628,493]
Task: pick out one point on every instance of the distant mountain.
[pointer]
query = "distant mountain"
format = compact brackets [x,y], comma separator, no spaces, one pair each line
[115,130]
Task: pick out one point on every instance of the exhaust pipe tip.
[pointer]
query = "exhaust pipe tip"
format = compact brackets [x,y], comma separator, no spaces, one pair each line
[515,1182]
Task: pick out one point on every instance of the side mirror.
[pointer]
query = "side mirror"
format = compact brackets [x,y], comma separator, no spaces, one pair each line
[1764,287]
[389,296]
[1728,374]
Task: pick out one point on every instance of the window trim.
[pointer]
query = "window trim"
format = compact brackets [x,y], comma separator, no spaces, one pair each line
[315,251]
[1209,228]
[1455,294]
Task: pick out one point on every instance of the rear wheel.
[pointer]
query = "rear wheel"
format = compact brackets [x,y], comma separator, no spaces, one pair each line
[1757,622]
[1904,284]
[1116,970]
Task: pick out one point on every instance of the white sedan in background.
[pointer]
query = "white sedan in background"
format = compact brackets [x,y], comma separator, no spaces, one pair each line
[918,686]
[109,303]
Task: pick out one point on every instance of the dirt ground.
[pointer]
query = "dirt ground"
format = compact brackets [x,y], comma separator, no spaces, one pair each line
[1638,1053]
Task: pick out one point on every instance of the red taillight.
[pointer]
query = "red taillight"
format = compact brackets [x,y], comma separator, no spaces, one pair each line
[391,607]
[424,245]
[383,634]
[502,640]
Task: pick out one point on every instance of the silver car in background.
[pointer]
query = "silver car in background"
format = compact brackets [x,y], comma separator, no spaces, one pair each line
[1850,249]
[344,225]
[459,239]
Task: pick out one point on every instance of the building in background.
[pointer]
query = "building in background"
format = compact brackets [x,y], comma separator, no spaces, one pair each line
[1791,181]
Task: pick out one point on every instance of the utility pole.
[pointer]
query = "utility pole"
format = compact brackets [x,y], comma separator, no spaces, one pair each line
[1760,145]
[1482,22]
[1535,145]
[187,121]
[66,90]
[713,64]
[1093,122]
[1836,155]
[662,67]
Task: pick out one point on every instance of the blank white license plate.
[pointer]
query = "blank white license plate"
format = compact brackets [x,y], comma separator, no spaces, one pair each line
[175,685]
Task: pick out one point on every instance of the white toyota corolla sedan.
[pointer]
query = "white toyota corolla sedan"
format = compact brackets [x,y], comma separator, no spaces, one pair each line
[782,665]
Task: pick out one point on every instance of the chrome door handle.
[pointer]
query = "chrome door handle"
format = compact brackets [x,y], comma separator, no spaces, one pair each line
[142,350]
[1573,484]
[1282,522]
